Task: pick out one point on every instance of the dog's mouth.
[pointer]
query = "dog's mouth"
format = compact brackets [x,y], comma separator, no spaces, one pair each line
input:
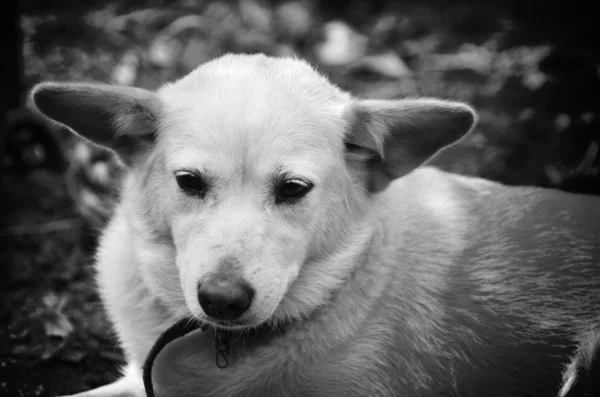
[228,326]
[233,327]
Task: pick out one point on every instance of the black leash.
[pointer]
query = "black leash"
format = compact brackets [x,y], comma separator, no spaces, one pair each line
[179,329]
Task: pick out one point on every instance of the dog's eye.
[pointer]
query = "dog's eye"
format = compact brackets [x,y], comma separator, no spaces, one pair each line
[292,190]
[191,182]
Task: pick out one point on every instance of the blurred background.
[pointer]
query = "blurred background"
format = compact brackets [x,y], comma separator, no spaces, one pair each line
[531,68]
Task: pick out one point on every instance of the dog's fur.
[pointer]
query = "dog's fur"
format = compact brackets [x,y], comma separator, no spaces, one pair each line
[387,280]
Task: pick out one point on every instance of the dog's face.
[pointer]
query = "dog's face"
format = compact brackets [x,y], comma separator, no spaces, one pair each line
[259,170]
[253,168]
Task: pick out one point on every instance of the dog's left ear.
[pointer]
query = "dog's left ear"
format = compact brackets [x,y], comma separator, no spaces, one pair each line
[123,119]
[387,139]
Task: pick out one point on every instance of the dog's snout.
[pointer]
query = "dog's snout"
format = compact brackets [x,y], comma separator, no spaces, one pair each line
[225,299]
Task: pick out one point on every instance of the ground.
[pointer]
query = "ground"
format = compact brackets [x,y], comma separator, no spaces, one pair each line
[537,97]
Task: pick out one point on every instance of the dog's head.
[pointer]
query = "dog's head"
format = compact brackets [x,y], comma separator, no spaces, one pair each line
[259,170]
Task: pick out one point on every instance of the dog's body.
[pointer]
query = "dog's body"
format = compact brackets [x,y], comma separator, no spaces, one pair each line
[386,281]
[488,296]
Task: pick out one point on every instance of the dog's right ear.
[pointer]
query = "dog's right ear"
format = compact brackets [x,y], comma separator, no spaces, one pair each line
[123,119]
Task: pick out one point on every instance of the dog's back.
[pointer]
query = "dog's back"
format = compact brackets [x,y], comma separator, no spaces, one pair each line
[518,289]
[523,291]
[535,263]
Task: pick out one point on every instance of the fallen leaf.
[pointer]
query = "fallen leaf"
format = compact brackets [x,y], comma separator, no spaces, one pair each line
[163,51]
[72,356]
[562,121]
[255,15]
[341,46]
[56,323]
[37,391]
[534,79]
[19,332]
[111,355]
[253,42]
[294,20]
[125,72]
[196,52]
[383,30]
[387,65]
[58,327]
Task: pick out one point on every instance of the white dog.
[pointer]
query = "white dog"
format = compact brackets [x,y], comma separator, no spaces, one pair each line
[260,196]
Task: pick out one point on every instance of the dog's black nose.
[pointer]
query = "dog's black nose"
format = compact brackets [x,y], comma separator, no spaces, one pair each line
[225,299]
